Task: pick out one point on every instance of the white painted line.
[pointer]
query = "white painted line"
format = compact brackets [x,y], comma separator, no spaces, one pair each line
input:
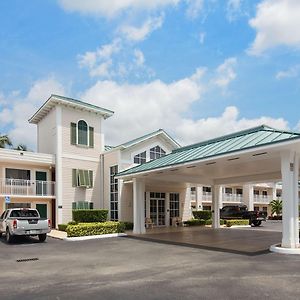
[94,237]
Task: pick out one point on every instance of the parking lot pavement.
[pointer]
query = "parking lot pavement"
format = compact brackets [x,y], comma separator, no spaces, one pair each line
[269,225]
[123,268]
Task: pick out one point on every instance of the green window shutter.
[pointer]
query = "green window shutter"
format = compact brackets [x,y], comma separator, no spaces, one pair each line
[91,137]
[73,134]
[74,177]
[90,178]
[81,177]
[86,178]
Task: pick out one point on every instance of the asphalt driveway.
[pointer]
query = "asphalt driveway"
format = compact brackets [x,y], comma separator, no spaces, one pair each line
[124,268]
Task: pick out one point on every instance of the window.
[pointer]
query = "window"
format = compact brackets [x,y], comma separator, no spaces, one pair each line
[256,208]
[114,210]
[239,191]
[17,176]
[207,189]
[82,134]
[140,158]
[228,190]
[265,208]
[156,152]
[82,178]
[278,193]
[256,192]
[265,193]
[174,206]
[82,205]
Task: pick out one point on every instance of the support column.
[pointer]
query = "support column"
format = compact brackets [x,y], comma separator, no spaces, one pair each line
[120,202]
[221,194]
[290,209]
[216,190]
[138,206]
[274,192]
[248,196]
[199,196]
[187,212]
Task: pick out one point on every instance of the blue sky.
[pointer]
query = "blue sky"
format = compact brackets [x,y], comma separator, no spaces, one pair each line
[198,68]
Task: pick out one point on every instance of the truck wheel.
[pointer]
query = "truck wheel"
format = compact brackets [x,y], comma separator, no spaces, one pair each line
[9,237]
[256,223]
[42,237]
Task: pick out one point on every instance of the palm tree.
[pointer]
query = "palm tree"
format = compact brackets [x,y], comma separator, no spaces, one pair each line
[276,207]
[5,141]
[21,147]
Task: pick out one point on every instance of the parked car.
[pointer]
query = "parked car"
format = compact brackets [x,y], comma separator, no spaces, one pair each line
[24,222]
[240,211]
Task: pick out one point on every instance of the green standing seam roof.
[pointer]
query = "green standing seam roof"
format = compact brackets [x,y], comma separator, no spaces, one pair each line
[254,137]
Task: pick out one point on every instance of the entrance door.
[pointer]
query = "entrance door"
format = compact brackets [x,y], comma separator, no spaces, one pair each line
[157,208]
[174,206]
[42,209]
[41,184]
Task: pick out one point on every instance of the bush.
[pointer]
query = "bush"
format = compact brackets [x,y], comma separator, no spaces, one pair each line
[202,214]
[89,215]
[209,222]
[95,228]
[62,227]
[230,223]
[72,223]
[195,222]
[128,225]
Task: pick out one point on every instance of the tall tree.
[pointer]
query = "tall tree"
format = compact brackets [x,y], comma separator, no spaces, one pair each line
[5,141]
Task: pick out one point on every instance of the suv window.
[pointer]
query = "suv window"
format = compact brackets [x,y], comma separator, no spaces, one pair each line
[2,216]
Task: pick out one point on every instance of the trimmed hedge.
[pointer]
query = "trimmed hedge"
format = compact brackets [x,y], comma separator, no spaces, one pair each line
[195,222]
[230,223]
[62,227]
[202,214]
[128,225]
[95,228]
[89,215]
[209,222]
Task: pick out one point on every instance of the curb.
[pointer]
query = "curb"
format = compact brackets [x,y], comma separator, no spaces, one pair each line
[93,237]
[278,249]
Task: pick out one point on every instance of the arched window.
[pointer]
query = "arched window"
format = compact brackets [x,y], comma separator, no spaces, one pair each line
[82,133]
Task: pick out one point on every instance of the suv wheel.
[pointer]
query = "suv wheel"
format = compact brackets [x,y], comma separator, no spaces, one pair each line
[42,237]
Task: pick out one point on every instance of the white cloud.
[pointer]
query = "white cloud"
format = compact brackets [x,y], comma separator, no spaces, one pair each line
[194,7]
[276,24]
[134,33]
[233,9]
[225,73]
[139,57]
[17,111]
[145,107]
[289,73]
[113,8]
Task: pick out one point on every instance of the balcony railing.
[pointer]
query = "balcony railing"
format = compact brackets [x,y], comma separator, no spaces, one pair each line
[262,199]
[20,187]
[232,198]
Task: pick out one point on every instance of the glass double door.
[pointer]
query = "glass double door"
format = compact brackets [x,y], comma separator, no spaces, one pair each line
[158,210]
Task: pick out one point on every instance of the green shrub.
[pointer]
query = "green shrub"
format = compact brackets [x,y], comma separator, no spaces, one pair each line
[62,227]
[195,222]
[128,225]
[72,223]
[202,214]
[209,222]
[89,215]
[95,228]
[230,223]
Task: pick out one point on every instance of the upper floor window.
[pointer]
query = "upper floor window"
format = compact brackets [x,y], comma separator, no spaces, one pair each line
[206,189]
[82,134]
[140,158]
[228,190]
[156,152]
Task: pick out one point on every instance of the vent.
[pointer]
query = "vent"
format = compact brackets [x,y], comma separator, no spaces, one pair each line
[27,259]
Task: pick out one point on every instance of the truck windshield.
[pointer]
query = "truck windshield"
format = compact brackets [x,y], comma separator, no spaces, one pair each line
[28,213]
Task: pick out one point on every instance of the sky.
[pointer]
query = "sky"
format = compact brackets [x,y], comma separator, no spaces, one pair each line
[196,68]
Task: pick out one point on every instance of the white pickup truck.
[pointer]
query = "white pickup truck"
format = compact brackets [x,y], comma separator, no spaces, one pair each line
[24,221]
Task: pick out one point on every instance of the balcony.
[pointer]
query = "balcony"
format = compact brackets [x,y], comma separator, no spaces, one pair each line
[232,198]
[262,199]
[27,188]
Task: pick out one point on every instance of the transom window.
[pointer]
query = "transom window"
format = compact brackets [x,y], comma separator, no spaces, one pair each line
[140,158]
[156,152]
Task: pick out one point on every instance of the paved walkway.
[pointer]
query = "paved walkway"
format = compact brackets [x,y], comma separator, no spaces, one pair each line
[232,240]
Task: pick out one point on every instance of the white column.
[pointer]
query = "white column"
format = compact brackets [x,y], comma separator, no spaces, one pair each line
[167,208]
[274,192]
[221,194]
[59,167]
[138,206]
[248,196]
[148,204]
[216,190]
[290,209]
[199,196]
[187,212]
[120,204]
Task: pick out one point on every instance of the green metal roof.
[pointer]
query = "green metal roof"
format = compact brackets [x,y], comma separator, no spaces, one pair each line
[246,139]
[55,99]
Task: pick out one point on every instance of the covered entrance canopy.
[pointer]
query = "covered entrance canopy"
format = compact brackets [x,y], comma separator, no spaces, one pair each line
[259,154]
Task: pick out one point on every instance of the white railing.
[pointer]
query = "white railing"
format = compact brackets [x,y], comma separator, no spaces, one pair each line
[262,199]
[20,187]
[232,198]
[207,196]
